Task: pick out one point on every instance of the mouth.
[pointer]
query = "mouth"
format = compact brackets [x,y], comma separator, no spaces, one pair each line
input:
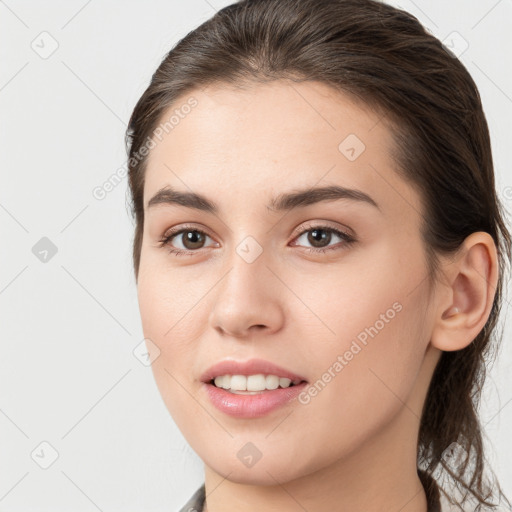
[252,388]
[253,384]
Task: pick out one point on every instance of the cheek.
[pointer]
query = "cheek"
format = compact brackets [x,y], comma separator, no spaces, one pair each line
[163,307]
[370,348]
[166,314]
[174,307]
[362,382]
[373,295]
[169,303]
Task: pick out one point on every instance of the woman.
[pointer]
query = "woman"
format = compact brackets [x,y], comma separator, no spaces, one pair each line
[319,253]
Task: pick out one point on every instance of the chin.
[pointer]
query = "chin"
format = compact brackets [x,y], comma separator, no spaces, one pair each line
[266,471]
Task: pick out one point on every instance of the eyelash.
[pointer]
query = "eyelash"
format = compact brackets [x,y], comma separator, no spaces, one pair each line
[348,239]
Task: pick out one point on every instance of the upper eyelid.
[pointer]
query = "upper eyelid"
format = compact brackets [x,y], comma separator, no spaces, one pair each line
[323,224]
[172,232]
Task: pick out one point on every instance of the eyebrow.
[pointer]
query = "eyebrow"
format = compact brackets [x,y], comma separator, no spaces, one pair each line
[283,202]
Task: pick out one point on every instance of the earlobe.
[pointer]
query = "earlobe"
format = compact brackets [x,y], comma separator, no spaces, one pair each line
[465,304]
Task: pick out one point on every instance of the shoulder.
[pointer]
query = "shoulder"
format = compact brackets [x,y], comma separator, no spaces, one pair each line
[196,502]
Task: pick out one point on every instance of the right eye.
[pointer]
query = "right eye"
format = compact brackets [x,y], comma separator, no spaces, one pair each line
[191,239]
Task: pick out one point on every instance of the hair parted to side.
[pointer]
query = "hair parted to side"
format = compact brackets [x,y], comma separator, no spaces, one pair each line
[383,57]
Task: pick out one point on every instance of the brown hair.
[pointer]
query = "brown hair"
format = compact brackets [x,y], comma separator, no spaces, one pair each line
[382,56]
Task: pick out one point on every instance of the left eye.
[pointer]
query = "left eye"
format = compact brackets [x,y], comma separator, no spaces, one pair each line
[319,236]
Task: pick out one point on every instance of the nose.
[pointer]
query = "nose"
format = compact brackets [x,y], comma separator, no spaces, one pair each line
[248,300]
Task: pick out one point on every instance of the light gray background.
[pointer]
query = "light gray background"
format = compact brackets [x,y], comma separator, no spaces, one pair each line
[68,374]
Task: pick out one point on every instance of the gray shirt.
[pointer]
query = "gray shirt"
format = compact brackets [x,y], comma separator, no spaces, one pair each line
[196,502]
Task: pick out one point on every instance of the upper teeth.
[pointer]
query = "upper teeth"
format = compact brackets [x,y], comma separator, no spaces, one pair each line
[257,382]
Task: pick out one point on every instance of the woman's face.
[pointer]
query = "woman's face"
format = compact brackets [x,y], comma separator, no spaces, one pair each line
[352,321]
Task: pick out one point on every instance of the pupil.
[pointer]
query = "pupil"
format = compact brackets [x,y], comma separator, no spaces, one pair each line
[318,236]
[193,239]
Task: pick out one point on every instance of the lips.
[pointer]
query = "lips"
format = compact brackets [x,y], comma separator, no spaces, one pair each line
[250,367]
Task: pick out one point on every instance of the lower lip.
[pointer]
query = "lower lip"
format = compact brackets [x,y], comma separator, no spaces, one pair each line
[251,406]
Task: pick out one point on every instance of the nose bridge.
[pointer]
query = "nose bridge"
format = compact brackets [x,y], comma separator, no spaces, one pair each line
[246,297]
[247,272]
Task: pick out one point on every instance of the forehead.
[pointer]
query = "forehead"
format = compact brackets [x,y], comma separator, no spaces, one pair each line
[301,115]
[259,140]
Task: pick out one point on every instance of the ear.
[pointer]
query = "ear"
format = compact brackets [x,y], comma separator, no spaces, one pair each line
[466,298]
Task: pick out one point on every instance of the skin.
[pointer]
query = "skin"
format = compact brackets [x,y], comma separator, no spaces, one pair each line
[353,446]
